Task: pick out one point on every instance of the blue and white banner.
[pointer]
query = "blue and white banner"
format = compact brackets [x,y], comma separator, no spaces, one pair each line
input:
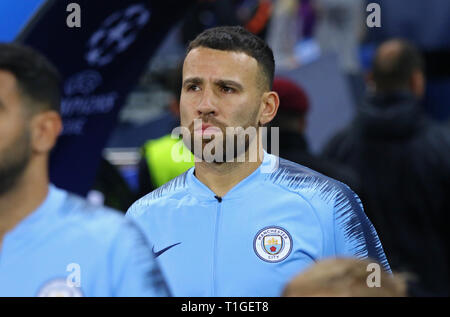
[101,60]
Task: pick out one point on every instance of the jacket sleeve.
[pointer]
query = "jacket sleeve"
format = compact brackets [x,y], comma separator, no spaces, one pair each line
[354,234]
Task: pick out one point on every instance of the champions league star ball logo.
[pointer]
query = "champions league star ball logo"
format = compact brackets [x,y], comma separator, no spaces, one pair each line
[116,33]
[272,244]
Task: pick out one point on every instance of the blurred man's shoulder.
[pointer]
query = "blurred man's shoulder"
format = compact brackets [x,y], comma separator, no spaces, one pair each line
[97,225]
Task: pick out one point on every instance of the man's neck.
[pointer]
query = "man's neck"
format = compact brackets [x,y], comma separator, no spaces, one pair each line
[221,178]
[16,204]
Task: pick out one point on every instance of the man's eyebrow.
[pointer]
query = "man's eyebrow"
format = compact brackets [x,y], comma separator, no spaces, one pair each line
[2,105]
[225,82]
[218,82]
[193,80]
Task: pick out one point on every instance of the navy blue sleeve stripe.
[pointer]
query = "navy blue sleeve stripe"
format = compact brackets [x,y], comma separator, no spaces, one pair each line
[357,226]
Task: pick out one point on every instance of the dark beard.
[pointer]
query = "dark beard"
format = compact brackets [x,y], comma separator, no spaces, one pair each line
[13,162]
[227,139]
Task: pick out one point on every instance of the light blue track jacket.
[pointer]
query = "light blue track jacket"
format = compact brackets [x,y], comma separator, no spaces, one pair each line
[67,247]
[272,225]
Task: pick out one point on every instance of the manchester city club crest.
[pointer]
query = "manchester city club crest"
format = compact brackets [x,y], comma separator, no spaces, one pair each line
[272,244]
[59,288]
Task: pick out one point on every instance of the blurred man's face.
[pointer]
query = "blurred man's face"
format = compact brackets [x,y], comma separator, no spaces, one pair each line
[222,89]
[15,149]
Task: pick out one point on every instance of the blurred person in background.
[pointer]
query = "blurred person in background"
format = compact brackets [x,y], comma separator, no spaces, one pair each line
[253,15]
[339,29]
[52,242]
[291,119]
[426,25]
[291,33]
[157,165]
[346,277]
[283,33]
[403,162]
[206,14]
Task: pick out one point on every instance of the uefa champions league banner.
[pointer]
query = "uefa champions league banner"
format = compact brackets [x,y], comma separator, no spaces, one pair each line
[100,61]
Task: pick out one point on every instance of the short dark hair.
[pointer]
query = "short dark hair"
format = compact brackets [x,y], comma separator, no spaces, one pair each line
[393,73]
[238,39]
[37,79]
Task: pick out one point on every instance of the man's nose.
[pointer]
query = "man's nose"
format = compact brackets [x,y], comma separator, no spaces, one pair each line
[207,104]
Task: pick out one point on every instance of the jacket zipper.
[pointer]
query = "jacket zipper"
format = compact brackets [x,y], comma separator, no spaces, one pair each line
[216,238]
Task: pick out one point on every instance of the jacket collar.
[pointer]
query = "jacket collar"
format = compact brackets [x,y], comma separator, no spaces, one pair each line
[200,190]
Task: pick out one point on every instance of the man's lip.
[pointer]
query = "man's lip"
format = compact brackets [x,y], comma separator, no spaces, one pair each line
[206,126]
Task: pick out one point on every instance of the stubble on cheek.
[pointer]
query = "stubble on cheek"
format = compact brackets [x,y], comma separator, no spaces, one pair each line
[13,161]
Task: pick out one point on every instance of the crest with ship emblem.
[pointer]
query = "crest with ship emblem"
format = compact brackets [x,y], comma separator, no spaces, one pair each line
[272,244]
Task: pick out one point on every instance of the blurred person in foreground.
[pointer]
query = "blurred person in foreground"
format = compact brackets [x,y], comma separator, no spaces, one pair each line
[53,243]
[243,222]
[403,161]
[346,277]
[292,120]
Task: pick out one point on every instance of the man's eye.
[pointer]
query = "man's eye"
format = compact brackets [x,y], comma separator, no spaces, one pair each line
[227,90]
[193,88]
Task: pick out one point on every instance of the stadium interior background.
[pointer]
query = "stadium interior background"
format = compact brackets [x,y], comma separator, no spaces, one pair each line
[324,46]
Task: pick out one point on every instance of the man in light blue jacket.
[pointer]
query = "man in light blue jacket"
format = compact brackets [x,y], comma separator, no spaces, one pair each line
[242,224]
[53,243]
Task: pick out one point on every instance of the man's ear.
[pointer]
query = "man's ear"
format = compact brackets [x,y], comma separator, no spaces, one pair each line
[174,107]
[46,126]
[417,83]
[270,103]
[370,83]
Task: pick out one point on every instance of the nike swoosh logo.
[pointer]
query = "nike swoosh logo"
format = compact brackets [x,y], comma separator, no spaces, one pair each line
[156,254]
